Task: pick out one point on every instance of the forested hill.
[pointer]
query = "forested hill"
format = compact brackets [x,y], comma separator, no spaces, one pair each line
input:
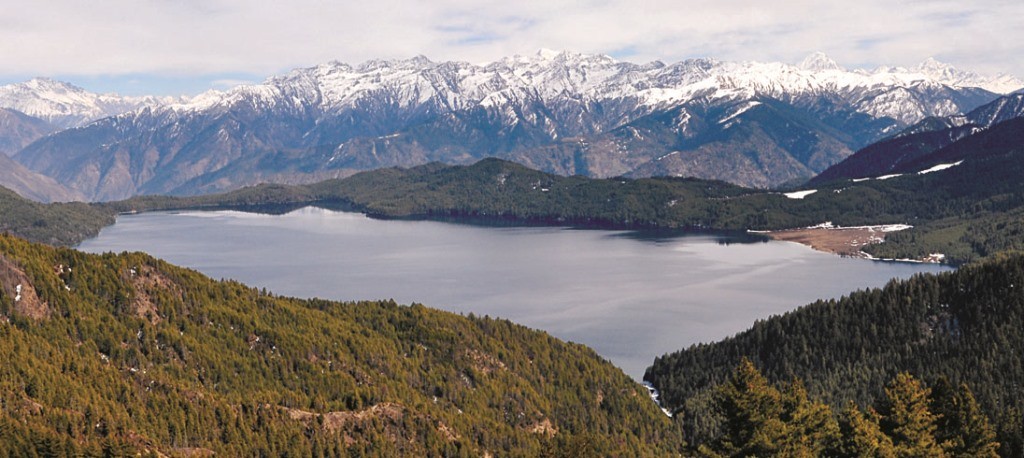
[56,223]
[497,189]
[965,212]
[967,325]
[123,354]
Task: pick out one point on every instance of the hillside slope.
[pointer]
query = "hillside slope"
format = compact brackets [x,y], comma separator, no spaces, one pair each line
[964,325]
[18,130]
[55,223]
[125,353]
[909,151]
[32,185]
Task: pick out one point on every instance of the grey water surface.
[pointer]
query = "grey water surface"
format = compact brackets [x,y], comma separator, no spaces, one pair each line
[631,297]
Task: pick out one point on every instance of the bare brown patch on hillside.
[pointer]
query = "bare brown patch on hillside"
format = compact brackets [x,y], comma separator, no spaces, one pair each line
[349,423]
[390,412]
[18,288]
[484,362]
[301,415]
[449,434]
[145,281]
[30,407]
[192,452]
[543,427]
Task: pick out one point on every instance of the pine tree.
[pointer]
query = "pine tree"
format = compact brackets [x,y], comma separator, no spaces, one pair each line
[811,429]
[761,420]
[1011,433]
[907,419]
[752,409]
[962,429]
[862,435]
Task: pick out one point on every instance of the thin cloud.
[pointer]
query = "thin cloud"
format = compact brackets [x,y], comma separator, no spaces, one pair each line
[230,83]
[193,38]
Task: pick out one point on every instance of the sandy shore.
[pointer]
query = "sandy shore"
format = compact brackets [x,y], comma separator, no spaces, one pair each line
[844,241]
[841,241]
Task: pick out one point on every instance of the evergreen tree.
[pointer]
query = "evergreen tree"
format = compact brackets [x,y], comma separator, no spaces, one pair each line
[1011,433]
[862,435]
[811,428]
[761,420]
[906,418]
[962,429]
[752,410]
[963,324]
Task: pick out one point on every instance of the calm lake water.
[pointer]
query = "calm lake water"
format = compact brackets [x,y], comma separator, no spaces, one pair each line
[629,297]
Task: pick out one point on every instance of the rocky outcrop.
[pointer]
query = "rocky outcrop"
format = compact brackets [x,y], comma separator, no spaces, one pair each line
[19,293]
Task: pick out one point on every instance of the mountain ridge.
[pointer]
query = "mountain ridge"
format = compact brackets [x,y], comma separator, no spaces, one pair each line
[958,209]
[66,105]
[908,150]
[338,118]
[32,185]
[16,131]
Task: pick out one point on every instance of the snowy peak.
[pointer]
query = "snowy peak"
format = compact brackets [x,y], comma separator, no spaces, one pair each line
[511,86]
[67,105]
[950,75]
[415,63]
[547,54]
[932,66]
[550,75]
[43,84]
[819,62]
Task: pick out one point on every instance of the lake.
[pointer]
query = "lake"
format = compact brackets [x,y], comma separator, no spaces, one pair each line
[630,296]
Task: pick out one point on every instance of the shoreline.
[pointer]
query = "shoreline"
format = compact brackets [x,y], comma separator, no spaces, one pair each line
[844,241]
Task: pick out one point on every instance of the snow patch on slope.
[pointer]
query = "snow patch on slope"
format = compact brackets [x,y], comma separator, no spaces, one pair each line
[940,167]
[799,194]
[743,108]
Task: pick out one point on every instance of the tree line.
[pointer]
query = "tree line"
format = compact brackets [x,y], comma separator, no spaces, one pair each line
[910,420]
[964,326]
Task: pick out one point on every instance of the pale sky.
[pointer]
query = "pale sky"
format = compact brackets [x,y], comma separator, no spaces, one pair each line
[171,47]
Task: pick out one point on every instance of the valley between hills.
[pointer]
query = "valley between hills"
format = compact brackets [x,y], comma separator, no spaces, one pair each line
[127,355]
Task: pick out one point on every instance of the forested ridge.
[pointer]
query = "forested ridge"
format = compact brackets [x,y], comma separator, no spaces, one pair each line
[966,212]
[911,419]
[966,326]
[111,355]
[56,223]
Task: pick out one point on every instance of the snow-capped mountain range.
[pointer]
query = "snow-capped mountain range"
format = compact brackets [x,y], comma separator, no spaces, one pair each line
[66,105]
[551,75]
[758,124]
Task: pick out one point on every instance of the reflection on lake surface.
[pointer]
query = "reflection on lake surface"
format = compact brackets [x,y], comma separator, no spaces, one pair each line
[629,296]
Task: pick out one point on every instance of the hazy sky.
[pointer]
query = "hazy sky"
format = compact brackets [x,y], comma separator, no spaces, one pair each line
[186,46]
